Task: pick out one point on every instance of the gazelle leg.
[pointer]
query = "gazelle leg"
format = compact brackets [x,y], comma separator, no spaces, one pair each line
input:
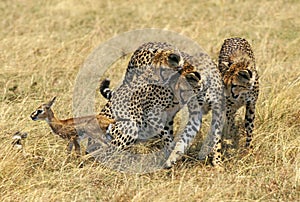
[77,146]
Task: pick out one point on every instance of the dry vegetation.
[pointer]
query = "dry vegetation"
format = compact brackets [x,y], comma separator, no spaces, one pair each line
[43,45]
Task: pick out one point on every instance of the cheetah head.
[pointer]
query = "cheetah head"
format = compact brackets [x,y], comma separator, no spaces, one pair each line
[179,74]
[167,65]
[240,75]
[188,83]
[170,65]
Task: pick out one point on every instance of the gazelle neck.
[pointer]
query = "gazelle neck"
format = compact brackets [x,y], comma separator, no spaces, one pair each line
[53,122]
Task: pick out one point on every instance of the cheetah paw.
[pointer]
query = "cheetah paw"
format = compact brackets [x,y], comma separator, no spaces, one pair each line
[169,164]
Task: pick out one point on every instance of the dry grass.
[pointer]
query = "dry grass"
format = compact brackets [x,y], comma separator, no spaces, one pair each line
[43,45]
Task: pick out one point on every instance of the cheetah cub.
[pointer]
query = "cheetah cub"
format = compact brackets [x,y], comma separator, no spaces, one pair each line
[237,66]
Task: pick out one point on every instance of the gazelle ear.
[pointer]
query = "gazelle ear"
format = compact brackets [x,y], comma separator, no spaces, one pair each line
[50,103]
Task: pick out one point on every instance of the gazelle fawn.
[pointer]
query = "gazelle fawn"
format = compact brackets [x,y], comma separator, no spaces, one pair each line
[72,129]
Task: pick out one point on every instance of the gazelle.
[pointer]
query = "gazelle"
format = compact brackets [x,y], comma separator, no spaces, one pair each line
[72,129]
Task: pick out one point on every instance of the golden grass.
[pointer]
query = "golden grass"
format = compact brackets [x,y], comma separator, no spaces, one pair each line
[43,45]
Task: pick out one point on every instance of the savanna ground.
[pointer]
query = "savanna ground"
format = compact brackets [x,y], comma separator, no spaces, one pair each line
[43,46]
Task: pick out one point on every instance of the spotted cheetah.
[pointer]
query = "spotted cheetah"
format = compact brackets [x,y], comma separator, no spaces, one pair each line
[237,66]
[139,115]
[198,84]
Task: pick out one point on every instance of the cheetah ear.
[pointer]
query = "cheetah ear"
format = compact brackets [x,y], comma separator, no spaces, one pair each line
[225,63]
[174,59]
[195,76]
[50,103]
[194,79]
[245,74]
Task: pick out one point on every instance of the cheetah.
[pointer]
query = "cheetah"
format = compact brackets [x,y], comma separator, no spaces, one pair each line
[139,115]
[239,73]
[197,84]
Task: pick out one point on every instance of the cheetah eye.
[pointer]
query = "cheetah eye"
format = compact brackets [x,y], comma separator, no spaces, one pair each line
[245,74]
[250,73]
[174,59]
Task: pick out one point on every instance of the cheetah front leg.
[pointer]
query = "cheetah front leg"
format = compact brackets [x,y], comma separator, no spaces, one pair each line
[189,133]
[158,126]
[217,124]
[230,119]
[212,144]
[230,131]
[249,122]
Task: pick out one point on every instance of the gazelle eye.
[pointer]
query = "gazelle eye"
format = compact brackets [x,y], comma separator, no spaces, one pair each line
[39,111]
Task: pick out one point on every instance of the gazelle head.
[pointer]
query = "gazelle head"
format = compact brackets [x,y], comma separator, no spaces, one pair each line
[43,112]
